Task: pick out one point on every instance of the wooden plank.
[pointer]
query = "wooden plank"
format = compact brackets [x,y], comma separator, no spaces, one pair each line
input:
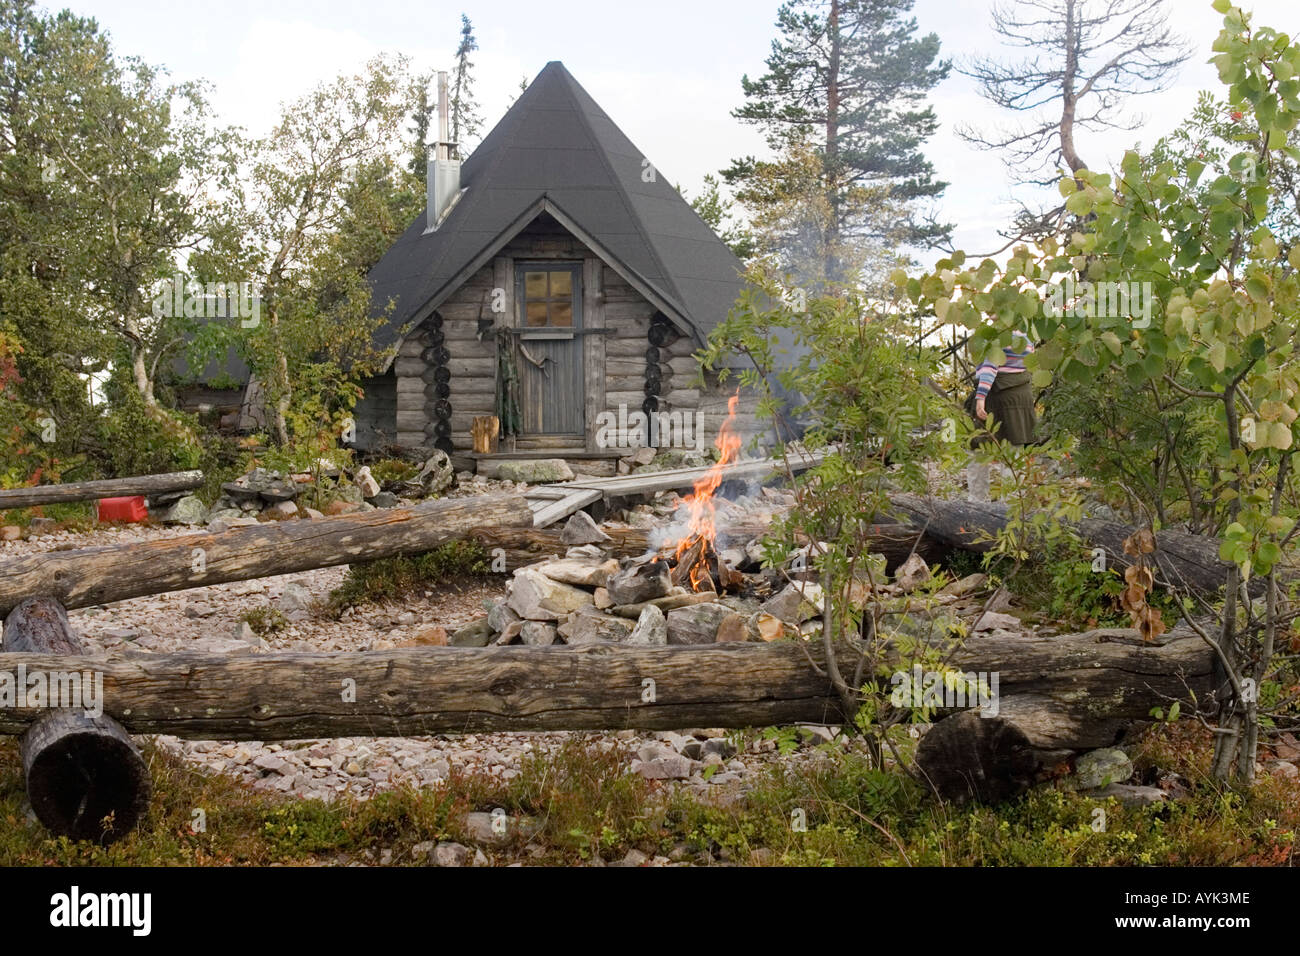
[593,346]
[558,510]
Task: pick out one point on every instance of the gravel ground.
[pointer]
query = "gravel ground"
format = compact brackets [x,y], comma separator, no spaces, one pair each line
[208,620]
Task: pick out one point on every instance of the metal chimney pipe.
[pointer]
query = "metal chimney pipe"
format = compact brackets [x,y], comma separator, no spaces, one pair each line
[443,172]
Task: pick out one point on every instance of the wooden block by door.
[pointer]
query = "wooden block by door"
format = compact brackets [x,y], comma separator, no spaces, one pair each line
[484,431]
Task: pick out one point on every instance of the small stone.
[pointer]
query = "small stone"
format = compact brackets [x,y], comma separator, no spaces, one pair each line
[636,585]
[282,509]
[602,599]
[581,528]
[651,628]
[478,634]
[1099,768]
[590,626]
[991,620]
[450,854]
[538,471]
[294,597]
[665,768]
[537,633]
[365,481]
[796,603]
[536,597]
[633,858]
[188,510]
[578,573]
[385,499]
[912,573]
[312,513]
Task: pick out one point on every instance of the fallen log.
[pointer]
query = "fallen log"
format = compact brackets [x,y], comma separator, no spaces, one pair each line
[1095,678]
[85,778]
[1184,560]
[1056,696]
[114,573]
[89,490]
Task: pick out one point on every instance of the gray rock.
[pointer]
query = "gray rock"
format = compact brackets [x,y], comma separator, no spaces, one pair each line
[537,633]
[665,768]
[581,528]
[295,597]
[995,621]
[188,510]
[696,623]
[500,616]
[580,573]
[912,573]
[635,585]
[589,626]
[1130,795]
[536,597]
[477,634]
[796,603]
[1099,768]
[535,472]
[450,854]
[651,628]
[385,499]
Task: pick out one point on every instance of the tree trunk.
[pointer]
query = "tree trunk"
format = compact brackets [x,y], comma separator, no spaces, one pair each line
[1056,696]
[1097,684]
[85,778]
[1184,560]
[91,490]
[116,572]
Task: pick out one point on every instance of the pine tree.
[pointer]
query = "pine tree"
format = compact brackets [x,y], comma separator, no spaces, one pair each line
[846,81]
[465,120]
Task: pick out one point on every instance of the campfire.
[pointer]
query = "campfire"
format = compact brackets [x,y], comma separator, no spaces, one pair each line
[698,564]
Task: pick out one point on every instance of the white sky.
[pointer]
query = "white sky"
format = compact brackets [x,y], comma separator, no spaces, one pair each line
[667,72]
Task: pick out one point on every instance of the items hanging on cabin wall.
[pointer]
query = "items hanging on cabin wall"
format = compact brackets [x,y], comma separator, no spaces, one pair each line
[437,389]
[661,334]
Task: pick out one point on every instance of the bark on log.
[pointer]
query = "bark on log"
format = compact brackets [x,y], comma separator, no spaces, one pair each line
[85,778]
[1184,560]
[1100,679]
[102,575]
[89,490]
[1057,695]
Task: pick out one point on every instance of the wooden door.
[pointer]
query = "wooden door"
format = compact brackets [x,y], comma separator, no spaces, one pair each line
[549,343]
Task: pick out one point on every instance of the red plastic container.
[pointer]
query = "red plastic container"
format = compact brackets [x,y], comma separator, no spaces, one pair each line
[132,510]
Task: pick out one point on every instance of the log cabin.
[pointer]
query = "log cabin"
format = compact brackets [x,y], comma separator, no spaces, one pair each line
[557,281]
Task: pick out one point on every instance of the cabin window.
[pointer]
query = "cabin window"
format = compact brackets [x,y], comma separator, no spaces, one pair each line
[549,294]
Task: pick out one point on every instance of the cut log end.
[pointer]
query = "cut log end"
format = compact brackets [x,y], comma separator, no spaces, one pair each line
[968,757]
[85,778]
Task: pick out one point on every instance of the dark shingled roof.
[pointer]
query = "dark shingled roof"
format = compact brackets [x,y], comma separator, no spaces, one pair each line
[556,150]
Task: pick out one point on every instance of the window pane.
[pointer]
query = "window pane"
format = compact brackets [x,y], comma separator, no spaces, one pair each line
[562,313]
[536,314]
[535,285]
[561,283]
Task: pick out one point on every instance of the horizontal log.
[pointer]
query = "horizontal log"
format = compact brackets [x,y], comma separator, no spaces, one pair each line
[91,490]
[419,691]
[1184,560]
[116,572]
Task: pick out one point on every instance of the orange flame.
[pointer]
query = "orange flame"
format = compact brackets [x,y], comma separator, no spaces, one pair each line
[701,505]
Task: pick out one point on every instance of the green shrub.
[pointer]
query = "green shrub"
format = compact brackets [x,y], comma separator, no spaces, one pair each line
[393,578]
